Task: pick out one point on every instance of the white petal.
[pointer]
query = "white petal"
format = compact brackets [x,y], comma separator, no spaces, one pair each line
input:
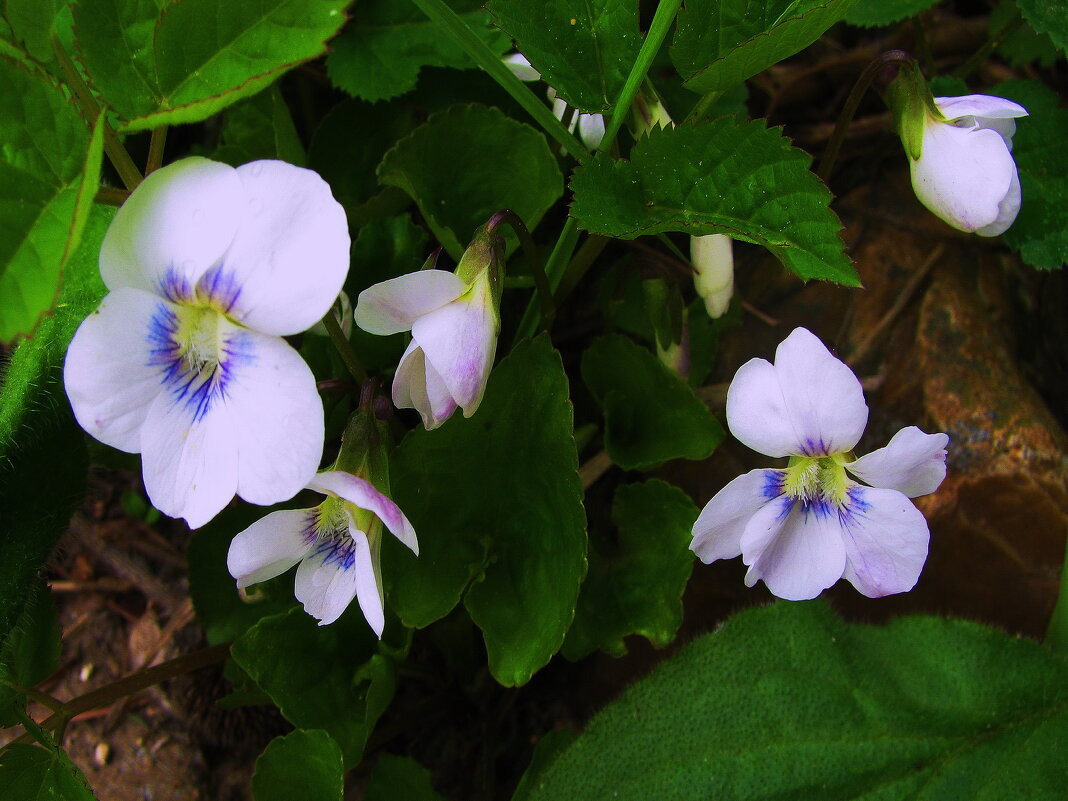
[1007,210]
[591,130]
[979,106]
[276,418]
[368,582]
[108,373]
[290,254]
[180,219]
[189,457]
[796,549]
[913,463]
[886,541]
[520,67]
[271,545]
[394,305]
[326,580]
[717,533]
[459,341]
[363,494]
[417,385]
[807,403]
[712,257]
[963,175]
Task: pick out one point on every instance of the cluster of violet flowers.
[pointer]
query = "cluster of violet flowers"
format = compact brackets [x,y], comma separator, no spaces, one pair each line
[209,267]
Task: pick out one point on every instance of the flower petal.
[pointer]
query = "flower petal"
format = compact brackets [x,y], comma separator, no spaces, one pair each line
[520,67]
[795,548]
[808,403]
[189,458]
[913,463]
[392,306]
[591,130]
[366,563]
[327,579]
[712,257]
[1007,210]
[886,541]
[979,106]
[271,545]
[107,373]
[417,385]
[963,174]
[276,419]
[717,533]
[459,341]
[290,254]
[174,227]
[363,494]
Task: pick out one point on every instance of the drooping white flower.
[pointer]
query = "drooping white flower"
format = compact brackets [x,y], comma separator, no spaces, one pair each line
[712,257]
[454,324]
[965,172]
[590,126]
[802,528]
[208,267]
[337,544]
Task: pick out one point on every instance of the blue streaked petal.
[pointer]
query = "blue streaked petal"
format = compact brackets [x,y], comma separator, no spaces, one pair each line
[326,580]
[271,545]
[886,540]
[717,533]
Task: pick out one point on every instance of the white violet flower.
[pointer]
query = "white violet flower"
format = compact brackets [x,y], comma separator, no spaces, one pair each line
[802,528]
[712,257]
[454,325]
[207,268]
[965,172]
[590,126]
[337,544]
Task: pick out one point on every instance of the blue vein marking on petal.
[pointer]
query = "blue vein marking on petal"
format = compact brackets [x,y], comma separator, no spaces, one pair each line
[812,447]
[337,548]
[175,286]
[786,506]
[219,288]
[774,484]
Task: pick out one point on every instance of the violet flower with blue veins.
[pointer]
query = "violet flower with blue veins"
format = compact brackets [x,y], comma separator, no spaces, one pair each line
[337,544]
[207,268]
[802,528]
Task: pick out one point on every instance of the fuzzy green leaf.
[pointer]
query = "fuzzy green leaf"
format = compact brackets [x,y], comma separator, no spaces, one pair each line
[1049,17]
[260,127]
[161,62]
[380,54]
[720,177]
[31,651]
[32,773]
[719,43]
[637,576]
[397,778]
[874,13]
[1040,232]
[49,172]
[584,51]
[467,162]
[497,502]
[651,415]
[305,764]
[789,702]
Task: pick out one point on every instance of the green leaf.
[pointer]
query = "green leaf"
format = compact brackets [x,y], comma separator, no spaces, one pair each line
[719,177]
[43,460]
[49,172]
[223,612]
[396,778]
[32,773]
[260,127]
[651,415]
[549,747]
[321,677]
[467,162]
[31,24]
[380,54]
[874,13]
[719,43]
[789,702]
[30,653]
[637,576]
[1049,17]
[1024,45]
[304,764]
[585,51]
[1040,233]
[168,63]
[497,502]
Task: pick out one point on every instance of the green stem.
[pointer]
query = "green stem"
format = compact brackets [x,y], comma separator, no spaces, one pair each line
[1057,632]
[560,258]
[545,293]
[479,51]
[87,104]
[584,259]
[702,106]
[344,349]
[991,44]
[155,149]
[111,196]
